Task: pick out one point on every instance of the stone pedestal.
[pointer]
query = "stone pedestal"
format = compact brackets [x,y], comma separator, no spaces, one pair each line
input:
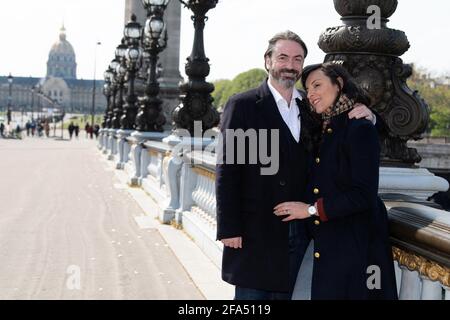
[101,140]
[419,183]
[180,146]
[123,146]
[139,139]
[112,145]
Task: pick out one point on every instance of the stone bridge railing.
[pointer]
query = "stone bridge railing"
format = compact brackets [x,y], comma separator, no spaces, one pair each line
[181,183]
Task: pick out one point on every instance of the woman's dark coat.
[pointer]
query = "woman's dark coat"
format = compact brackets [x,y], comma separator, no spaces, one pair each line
[344,173]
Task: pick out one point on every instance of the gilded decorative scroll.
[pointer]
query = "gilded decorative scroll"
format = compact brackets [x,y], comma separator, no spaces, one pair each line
[425,267]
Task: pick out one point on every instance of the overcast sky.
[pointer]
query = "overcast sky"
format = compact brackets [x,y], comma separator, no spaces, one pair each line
[236,33]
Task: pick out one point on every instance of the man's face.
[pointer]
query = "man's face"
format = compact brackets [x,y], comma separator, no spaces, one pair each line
[286,63]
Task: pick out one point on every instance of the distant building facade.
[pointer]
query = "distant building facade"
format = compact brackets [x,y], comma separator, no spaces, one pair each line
[60,88]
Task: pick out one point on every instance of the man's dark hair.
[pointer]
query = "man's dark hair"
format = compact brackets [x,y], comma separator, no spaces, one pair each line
[285,35]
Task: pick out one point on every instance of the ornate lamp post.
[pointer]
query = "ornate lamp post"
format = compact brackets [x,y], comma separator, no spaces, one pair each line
[133,34]
[38,88]
[114,110]
[196,100]
[114,113]
[107,91]
[118,69]
[8,112]
[371,54]
[93,88]
[32,103]
[154,41]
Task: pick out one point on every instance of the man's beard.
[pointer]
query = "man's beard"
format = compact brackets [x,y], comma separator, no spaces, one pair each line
[287,83]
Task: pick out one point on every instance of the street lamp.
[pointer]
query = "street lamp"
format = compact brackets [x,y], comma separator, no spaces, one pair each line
[196,100]
[93,89]
[32,103]
[133,35]
[153,5]
[150,117]
[39,95]
[8,113]
[119,71]
[107,91]
[116,110]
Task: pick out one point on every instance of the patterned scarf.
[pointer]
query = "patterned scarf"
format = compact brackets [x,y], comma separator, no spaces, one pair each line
[344,104]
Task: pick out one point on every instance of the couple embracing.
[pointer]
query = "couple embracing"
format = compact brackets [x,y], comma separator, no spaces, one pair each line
[315,229]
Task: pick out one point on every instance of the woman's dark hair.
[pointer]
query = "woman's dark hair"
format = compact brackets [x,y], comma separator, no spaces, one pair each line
[311,121]
[334,71]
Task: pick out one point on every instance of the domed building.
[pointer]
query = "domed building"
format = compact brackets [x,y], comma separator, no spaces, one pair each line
[59,89]
[61,59]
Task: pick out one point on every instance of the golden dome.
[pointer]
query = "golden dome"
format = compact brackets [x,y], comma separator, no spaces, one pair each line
[62,46]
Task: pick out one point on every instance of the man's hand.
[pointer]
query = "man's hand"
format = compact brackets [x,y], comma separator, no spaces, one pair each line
[235,243]
[362,111]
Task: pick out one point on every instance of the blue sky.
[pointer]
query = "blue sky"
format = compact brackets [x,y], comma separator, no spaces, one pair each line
[236,33]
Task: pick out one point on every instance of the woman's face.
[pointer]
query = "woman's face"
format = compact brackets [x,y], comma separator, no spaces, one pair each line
[321,91]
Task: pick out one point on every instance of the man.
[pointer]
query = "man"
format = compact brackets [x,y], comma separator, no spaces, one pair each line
[262,255]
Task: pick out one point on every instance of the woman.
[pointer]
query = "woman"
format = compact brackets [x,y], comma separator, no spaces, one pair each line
[347,222]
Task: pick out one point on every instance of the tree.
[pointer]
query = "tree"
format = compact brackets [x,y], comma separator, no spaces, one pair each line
[437,97]
[242,82]
[440,120]
[220,86]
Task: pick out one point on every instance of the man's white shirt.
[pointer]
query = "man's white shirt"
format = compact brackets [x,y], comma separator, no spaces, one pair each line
[289,112]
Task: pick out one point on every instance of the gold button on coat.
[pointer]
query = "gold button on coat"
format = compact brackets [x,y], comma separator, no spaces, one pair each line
[317,255]
[316,222]
[329,130]
[317,160]
[316,191]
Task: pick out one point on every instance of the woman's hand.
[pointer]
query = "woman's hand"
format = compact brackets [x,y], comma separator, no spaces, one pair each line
[293,210]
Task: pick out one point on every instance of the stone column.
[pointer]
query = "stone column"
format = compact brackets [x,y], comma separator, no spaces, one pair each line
[170,57]
[431,290]
[136,7]
[447,293]
[410,285]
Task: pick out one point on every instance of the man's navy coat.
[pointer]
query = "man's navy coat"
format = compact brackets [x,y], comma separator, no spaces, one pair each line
[246,198]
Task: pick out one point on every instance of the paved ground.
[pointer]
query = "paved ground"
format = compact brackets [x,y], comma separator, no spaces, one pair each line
[68,230]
